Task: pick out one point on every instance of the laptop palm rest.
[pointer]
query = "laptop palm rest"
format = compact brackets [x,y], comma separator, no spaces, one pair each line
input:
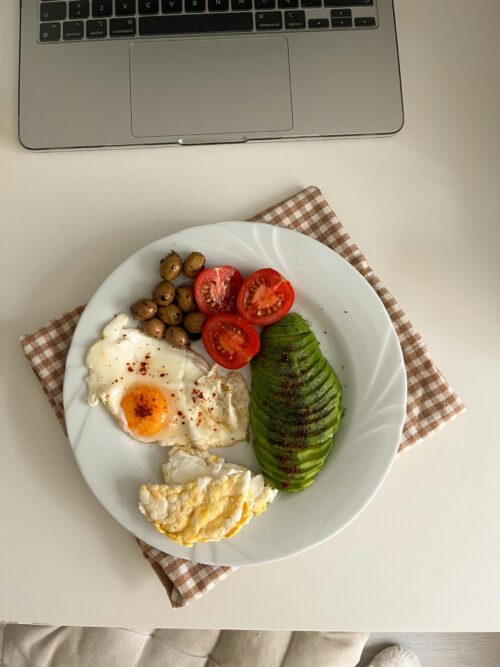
[210,86]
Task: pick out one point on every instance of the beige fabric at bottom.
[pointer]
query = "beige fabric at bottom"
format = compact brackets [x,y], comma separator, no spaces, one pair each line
[49,646]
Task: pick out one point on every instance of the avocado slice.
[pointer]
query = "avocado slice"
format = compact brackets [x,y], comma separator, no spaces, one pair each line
[295,406]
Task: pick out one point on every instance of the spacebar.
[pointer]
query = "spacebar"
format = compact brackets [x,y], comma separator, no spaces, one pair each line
[168,25]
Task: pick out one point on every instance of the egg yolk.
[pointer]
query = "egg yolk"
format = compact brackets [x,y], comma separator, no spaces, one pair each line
[145,410]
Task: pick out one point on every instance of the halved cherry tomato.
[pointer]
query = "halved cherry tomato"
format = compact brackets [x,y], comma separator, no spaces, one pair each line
[216,290]
[229,340]
[265,297]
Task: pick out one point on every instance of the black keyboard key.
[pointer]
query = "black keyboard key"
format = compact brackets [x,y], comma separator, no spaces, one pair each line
[348,3]
[121,27]
[268,21]
[318,23]
[241,4]
[124,7]
[96,29]
[53,11]
[311,3]
[295,20]
[149,6]
[340,13]
[79,9]
[50,32]
[218,5]
[341,23]
[176,25]
[364,22]
[73,30]
[102,8]
[194,5]
[265,4]
[171,6]
[288,4]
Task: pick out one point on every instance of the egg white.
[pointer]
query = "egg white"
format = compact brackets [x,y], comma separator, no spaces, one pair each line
[205,408]
[203,498]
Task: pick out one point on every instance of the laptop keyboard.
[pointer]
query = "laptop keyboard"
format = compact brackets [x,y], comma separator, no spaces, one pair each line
[77,20]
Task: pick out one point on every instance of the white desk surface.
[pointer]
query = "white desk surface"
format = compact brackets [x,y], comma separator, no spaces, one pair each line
[423,205]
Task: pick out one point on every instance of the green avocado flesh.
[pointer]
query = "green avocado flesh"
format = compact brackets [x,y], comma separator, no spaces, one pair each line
[295,406]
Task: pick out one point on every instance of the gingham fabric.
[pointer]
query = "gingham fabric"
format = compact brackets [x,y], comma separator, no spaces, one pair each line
[431,402]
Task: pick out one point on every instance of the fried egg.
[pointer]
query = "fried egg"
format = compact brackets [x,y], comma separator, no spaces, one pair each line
[162,394]
[203,499]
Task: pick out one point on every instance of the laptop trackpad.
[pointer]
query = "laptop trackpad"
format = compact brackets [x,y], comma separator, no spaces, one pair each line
[210,86]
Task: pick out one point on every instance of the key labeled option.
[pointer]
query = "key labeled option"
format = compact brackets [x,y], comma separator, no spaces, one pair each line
[268,21]
[96,29]
[295,20]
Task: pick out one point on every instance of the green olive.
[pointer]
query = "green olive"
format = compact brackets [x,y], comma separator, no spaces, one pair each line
[164,293]
[176,336]
[154,327]
[144,309]
[193,322]
[193,264]
[170,314]
[185,298]
[171,266]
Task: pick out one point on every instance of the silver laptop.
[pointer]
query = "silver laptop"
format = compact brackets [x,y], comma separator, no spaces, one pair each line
[96,73]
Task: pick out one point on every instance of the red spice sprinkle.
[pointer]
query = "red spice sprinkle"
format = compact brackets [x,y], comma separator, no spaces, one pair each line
[130,369]
[180,413]
[142,409]
[198,394]
[214,395]
[148,356]
[143,368]
[162,375]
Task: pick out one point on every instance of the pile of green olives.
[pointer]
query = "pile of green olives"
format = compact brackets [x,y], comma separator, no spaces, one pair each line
[172,312]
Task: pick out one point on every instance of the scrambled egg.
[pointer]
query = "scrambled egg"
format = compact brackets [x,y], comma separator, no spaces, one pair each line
[203,498]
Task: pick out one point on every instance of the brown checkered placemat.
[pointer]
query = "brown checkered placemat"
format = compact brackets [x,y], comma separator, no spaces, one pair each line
[431,402]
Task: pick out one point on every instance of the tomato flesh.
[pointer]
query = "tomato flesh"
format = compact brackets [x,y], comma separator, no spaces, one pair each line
[216,290]
[229,340]
[265,297]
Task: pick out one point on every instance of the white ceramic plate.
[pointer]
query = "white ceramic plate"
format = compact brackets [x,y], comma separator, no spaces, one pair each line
[355,334]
